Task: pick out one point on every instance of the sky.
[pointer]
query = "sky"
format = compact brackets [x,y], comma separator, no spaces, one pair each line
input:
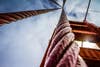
[22,5]
[23,43]
[76,10]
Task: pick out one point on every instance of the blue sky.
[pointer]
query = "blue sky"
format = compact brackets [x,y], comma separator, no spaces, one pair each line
[23,43]
[22,5]
[76,10]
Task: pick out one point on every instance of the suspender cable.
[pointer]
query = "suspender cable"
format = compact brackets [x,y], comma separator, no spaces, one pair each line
[87,11]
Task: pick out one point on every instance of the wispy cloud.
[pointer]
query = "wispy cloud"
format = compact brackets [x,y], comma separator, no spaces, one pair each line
[76,10]
[23,43]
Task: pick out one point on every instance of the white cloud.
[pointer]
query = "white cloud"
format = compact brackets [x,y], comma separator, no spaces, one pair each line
[23,43]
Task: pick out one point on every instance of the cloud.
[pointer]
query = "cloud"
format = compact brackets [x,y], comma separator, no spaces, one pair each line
[23,43]
[76,10]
